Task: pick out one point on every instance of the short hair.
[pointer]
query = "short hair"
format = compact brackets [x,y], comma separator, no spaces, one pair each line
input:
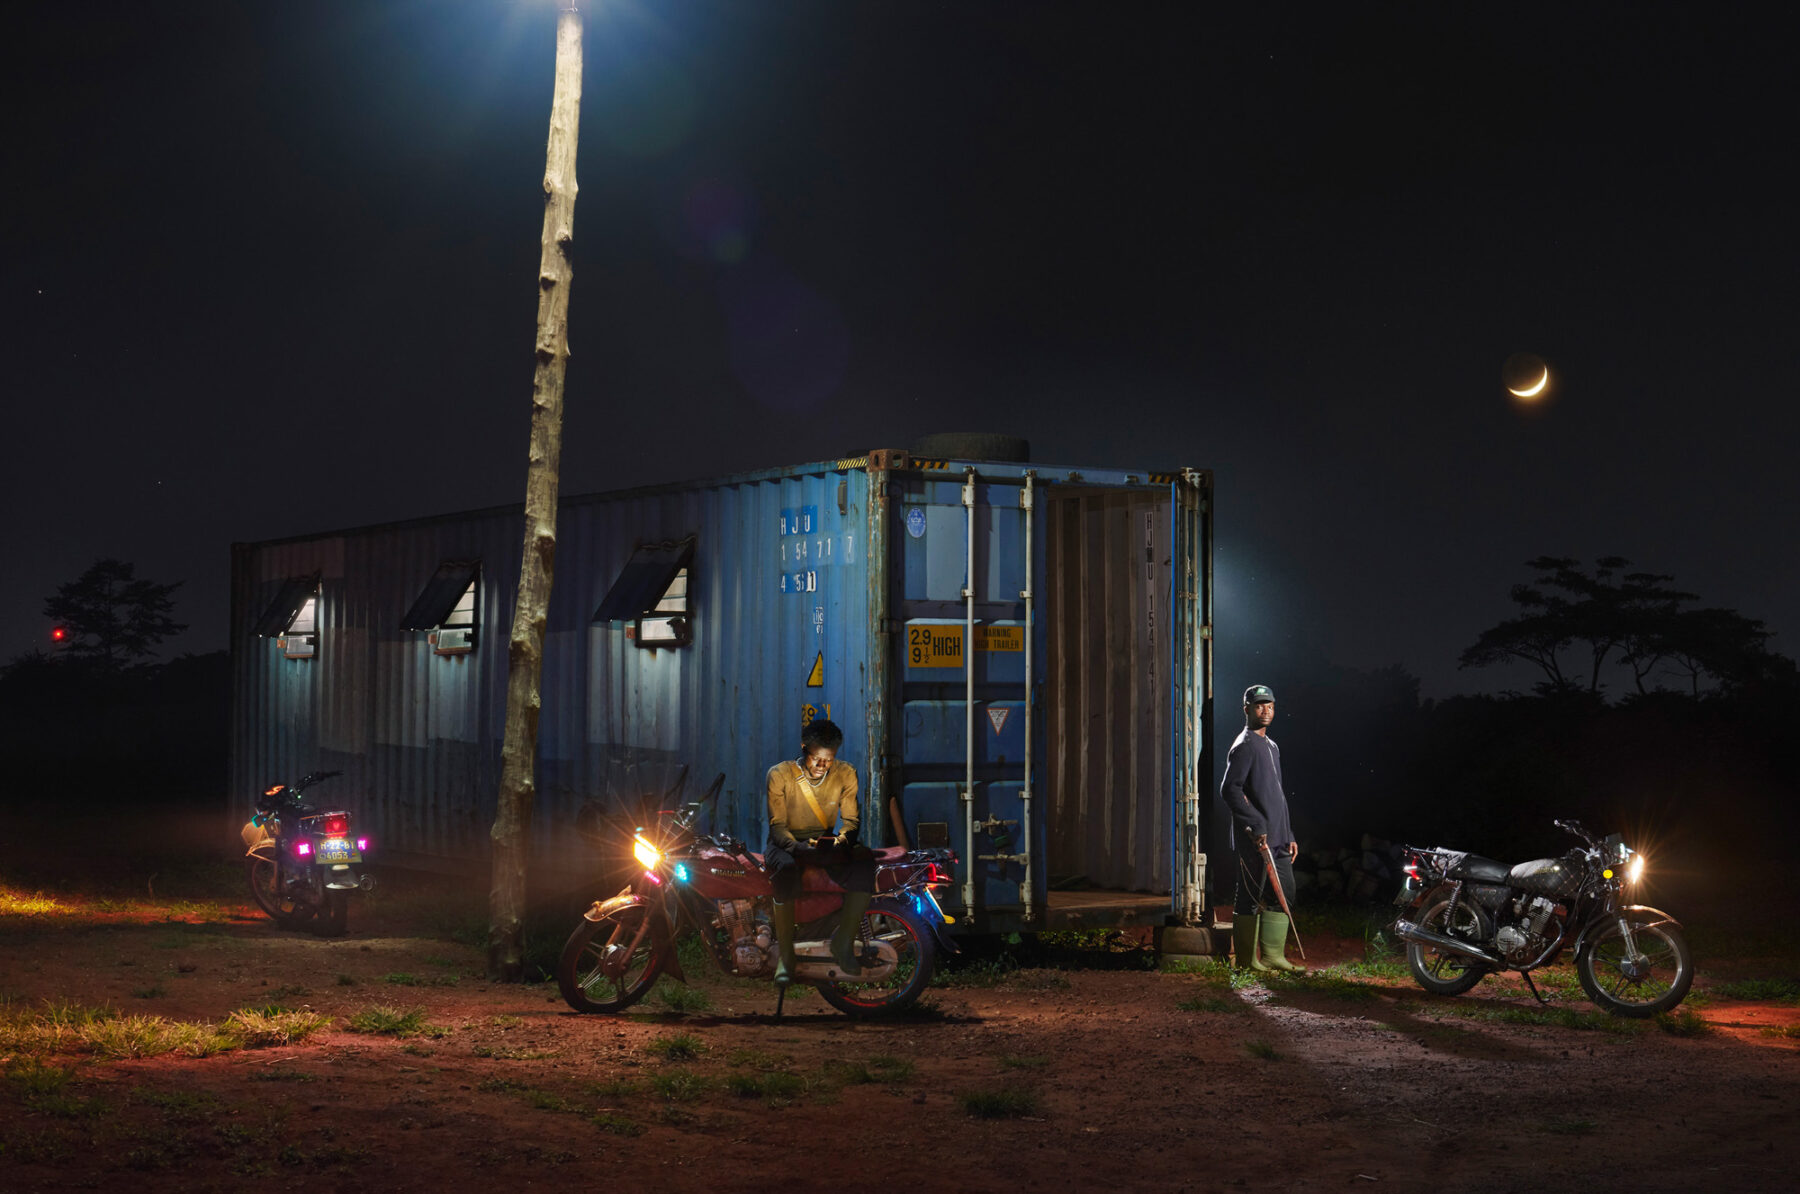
[821,733]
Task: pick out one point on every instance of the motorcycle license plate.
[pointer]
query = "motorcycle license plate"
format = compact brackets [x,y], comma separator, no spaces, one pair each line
[337,849]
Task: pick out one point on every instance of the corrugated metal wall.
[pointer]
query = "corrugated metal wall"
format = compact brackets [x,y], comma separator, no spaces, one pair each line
[777,583]
[1108,704]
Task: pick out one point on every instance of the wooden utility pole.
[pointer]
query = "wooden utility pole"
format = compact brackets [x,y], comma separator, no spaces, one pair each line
[518,756]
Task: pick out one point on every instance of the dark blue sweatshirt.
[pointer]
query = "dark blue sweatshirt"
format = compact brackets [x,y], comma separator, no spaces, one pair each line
[1252,790]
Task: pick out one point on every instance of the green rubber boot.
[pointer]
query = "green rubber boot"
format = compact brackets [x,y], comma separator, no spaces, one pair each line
[1243,941]
[784,942]
[843,942]
[1273,932]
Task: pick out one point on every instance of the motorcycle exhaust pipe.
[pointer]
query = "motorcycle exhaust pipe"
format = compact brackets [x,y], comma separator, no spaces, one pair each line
[1406,930]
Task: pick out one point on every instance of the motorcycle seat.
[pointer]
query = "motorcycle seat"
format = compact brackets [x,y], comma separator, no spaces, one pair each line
[1477,869]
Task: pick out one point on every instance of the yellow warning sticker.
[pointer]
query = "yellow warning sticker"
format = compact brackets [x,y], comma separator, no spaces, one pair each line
[816,677]
[942,646]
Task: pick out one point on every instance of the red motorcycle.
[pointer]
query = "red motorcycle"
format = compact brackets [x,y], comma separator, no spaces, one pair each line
[717,887]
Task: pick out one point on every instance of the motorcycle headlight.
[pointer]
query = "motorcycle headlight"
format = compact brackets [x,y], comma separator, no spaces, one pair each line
[1634,870]
[646,854]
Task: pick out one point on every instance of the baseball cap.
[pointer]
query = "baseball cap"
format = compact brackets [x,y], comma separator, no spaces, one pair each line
[1258,693]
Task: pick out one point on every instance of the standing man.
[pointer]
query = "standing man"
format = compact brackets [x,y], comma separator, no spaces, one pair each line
[1259,817]
[809,798]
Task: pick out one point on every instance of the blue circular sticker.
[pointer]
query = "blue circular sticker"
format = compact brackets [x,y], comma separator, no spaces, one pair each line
[915,521]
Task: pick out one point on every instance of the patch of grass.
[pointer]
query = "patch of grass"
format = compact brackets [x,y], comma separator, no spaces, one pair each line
[1782,990]
[19,903]
[1327,982]
[152,1036]
[758,1060]
[1012,1061]
[417,1050]
[1007,1102]
[1038,979]
[618,1125]
[345,980]
[615,1090]
[778,1086]
[40,1147]
[33,1076]
[682,999]
[1386,968]
[393,1021]
[678,1085]
[402,978]
[513,1054]
[156,991]
[289,991]
[881,1069]
[505,1022]
[1789,1032]
[1571,1127]
[1211,1003]
[1262,1049]
[684,1046]
[977,973]
[1686,1023]
[1551,1017]
[274,1075]
[261,1028]
[180,1106]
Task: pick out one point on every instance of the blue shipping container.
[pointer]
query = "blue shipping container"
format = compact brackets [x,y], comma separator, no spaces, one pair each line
[1019,656]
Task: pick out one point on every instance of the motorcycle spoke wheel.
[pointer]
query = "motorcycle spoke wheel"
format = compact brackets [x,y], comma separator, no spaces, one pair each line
[593,973]
[911,941]
[1443,972]
[266,889]
[1655,982]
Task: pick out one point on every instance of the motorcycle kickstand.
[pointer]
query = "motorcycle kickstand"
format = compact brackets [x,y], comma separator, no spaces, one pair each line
[780,998]
[1526,975]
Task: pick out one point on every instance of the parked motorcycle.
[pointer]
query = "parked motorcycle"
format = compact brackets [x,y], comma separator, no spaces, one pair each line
[300,858]
[717,887]
[1464,917]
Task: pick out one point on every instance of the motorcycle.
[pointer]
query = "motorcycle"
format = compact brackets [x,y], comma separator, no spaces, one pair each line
[299,859]
[1464,917]
[717,887]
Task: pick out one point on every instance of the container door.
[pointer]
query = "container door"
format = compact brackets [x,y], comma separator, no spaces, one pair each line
[964,597]
[1190,645]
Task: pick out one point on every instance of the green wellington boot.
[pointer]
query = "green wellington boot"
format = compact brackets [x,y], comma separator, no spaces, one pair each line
[784,942]
[843,942]
[1273,934]
[1243,941]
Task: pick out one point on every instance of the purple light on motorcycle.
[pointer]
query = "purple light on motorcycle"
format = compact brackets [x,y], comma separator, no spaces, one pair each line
[362,844]
[303,848]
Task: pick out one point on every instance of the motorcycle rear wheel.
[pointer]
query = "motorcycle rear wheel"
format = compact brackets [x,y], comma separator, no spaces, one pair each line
[1440,971]
[265,888]
[917,949]
[1657,983]
[581,972]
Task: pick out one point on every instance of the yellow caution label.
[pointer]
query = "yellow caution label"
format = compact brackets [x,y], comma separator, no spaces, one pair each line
[942,646]
[816,677]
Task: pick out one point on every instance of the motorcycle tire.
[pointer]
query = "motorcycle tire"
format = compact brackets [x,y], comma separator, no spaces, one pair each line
[1442,972]
[916,945]
[334,917]
[1661,978]
[264,878]
[581,971]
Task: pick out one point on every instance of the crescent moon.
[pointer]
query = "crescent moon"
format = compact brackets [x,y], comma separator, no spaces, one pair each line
[1534,390]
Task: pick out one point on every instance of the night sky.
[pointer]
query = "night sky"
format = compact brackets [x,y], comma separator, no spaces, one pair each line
[270,269]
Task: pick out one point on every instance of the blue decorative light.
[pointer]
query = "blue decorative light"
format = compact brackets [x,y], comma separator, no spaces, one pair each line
[681,872]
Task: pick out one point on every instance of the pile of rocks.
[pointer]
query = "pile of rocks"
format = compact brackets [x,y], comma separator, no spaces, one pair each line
[1361,875]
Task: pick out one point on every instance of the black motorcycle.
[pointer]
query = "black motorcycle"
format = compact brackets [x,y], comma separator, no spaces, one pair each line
[300,858]
[1464,917]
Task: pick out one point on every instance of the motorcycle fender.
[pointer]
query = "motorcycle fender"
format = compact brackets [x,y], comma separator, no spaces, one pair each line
[659,926]
[940,931]
[1652,918]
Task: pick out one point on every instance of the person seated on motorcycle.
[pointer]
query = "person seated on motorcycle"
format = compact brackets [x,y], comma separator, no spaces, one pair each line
[813,822]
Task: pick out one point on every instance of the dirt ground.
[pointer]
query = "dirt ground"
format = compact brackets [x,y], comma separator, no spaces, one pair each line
[1112,1076]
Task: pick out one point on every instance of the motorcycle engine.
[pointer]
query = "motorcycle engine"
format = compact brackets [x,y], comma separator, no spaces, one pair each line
[753,945]
[1525,940]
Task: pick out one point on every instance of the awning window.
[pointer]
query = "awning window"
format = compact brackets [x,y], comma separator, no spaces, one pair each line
[448,598]
[293,601]
[645,583]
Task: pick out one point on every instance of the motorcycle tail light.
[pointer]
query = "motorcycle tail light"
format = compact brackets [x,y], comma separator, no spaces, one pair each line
[303,847]
[1412,871]
[337,826]
[362,844]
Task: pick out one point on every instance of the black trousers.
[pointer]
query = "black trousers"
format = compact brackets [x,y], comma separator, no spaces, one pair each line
[1254,891]
[852,868]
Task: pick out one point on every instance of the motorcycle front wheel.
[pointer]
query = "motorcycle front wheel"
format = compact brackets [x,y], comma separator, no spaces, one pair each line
[266,888]
[600,970]
[912,940]
[1655,981]
[1441,971]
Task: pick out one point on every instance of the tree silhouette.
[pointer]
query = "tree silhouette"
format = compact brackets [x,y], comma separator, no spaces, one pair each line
[113,618]
[1637,619]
